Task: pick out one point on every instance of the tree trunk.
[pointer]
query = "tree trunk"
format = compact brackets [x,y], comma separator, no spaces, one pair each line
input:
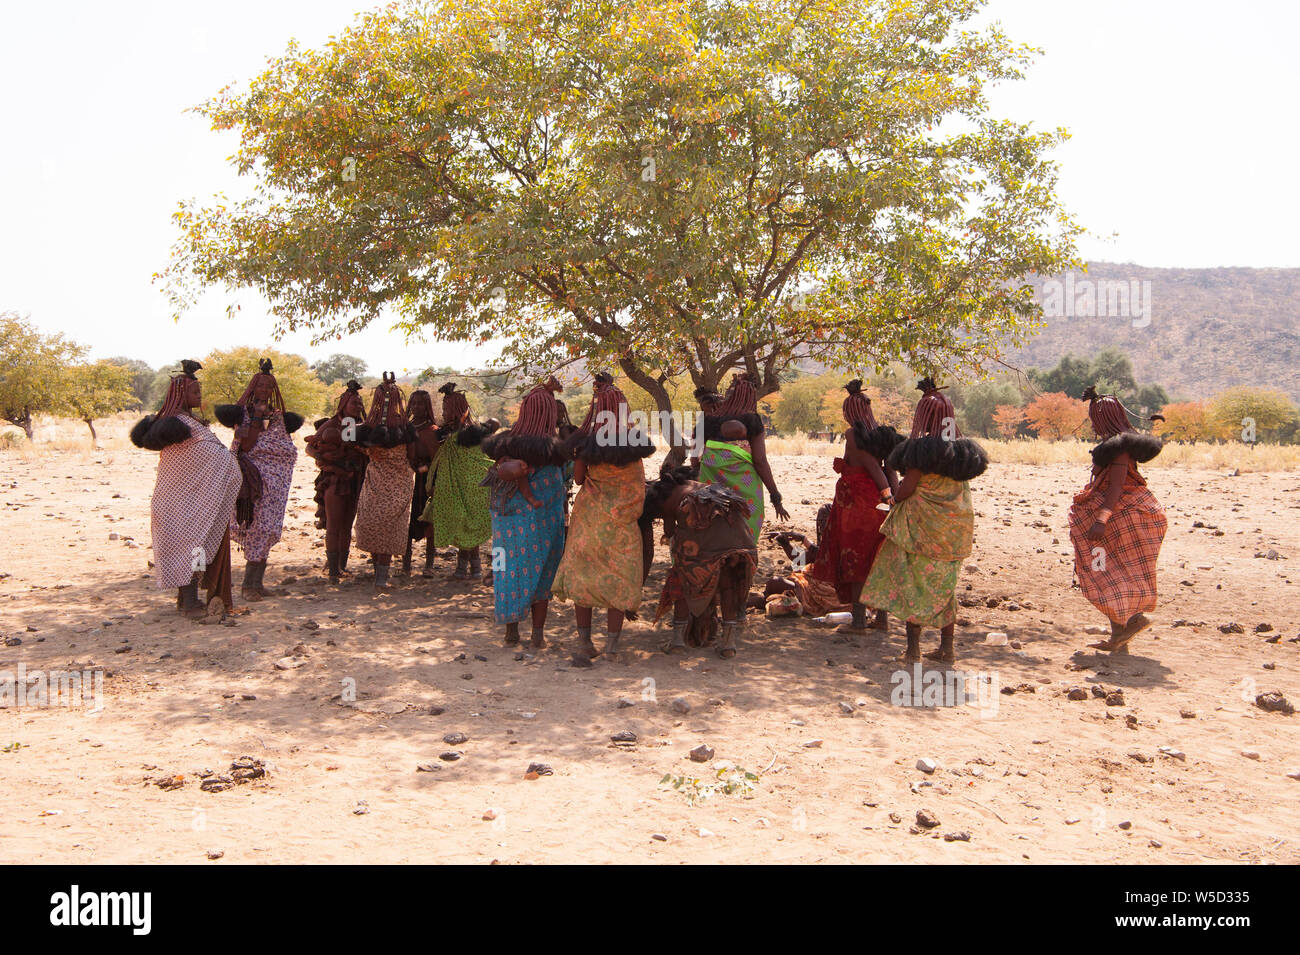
[23,421]
[94,438]
[655,388]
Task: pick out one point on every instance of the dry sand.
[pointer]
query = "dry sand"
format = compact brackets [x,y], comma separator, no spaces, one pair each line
[1031,776]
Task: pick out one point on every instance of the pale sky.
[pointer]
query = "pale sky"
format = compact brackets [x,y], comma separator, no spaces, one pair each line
[1182,115]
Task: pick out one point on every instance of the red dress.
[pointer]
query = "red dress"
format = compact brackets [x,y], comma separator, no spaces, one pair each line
[845,554]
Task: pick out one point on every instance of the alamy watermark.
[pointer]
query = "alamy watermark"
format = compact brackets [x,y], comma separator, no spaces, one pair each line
[1101,298]
[46,688]
[916,686]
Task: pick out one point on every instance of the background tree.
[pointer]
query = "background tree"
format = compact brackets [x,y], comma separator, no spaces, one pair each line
[1055,416]
[339,367]
[800,409]
[1008,420]
[97,390]
[142,376]
[225,375]
[1240,414]
[32,365]
[976,403]
[1110,370]
[668,186]
[1184,421]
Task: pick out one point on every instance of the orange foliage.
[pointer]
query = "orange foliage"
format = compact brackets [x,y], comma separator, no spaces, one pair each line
[1057,415]
[1008,419]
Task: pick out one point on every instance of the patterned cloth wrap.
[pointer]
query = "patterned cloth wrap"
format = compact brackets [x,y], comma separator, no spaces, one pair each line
[927,536]
[193,503]
[711,526]
[273,455]
[602,556]
[853,535]
[458,502]
[384,507]
[733,465]
[527,543]
[1119,579]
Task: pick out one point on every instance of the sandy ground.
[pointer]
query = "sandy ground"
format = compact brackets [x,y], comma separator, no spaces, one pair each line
[1029,775]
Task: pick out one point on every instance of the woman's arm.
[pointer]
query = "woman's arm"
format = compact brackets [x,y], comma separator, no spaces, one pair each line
[1114,478]
[758,447]
[579,471]
[908,485]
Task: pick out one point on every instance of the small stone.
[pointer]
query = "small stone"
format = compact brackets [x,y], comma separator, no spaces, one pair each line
[812,744]
[1172,753]
[215,854]
[1096,628]
[1077,693]
[658,837]
[489,815]
[1294,774]
[361,809]
[1126,824]
[926,765]
[846,708]
[289,663]
[1099,692]
[926,819]
[705,833]
[436,711]
[962,836]
[1115,698]
[428,768]
[623,703]
[1072,820]
[625,736]
[450,756]
[679,705]
[702,753]
[1187,714]
[455,739]
[13,641]
[1155,844]
[1250,754]
[541,769]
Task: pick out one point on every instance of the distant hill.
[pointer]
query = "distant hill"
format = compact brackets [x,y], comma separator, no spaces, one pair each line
[1209,329]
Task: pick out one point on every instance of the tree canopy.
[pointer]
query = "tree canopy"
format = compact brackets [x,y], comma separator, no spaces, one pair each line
[669,186]
[32,367]
[339,367]
[226,373]
[96,390]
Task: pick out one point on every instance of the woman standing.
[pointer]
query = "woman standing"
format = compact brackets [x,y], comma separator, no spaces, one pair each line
[931,527]
[603,563]
[425,440]
[262,429]
[743,465]
[527,508]
[384,506]
[336,451]
[457,511]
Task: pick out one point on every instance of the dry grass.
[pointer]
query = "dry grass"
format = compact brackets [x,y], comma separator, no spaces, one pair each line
[1264,457]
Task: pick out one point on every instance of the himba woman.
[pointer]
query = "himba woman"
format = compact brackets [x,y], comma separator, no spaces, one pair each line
[457,511]
[743,465]
[193,498]
[1116,524]
[863,493]
[527,536]
[337,452]
[262,429]
[603,564]
[930,529]
[419,454]
[384,505]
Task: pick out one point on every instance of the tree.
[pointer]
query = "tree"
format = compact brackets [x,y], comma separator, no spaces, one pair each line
[669,186]
[225,374]
[142,376]
[976,404]
[800,407]
[31,369]
[1250,414]
[1110,370]
[1184,421]
[1008,420]
[1054,416]
[339,367]
[91,391]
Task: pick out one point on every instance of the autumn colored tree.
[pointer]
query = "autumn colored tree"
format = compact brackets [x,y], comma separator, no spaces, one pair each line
[97,390]
[1007,419]
[1057,415]
[1184,421]
[667,186]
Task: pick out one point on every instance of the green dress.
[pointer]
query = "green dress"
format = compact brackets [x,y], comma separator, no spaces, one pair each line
[458,503]
[927,537]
